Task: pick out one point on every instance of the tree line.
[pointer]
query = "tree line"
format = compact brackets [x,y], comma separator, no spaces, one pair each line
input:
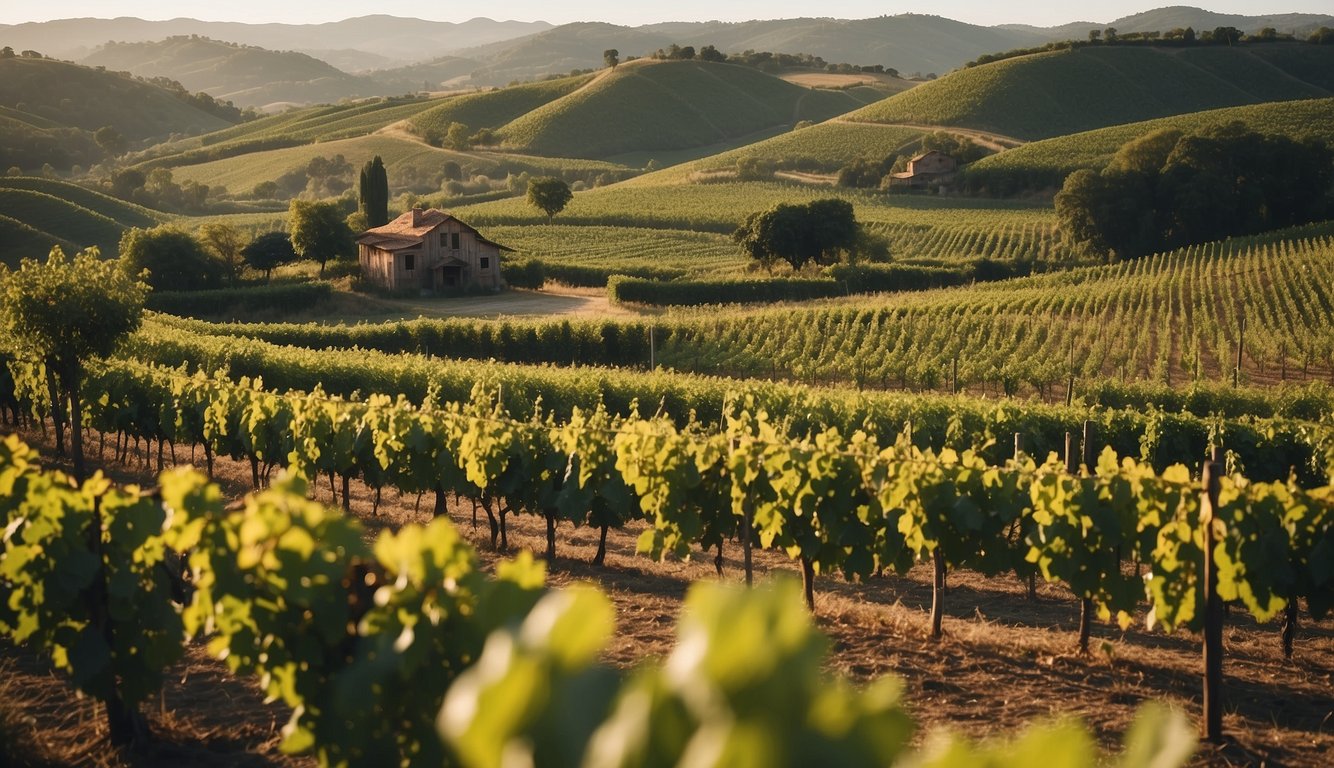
[1169,189]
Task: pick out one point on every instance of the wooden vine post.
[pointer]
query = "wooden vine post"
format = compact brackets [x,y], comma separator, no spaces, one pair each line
[1241,337]
[1213,609]
[1072,466]
[1018,456]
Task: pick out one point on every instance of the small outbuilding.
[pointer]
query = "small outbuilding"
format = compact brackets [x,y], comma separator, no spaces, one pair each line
[925,170]
[430,250]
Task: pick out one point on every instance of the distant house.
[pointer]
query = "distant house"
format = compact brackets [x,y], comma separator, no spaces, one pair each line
[925,170]
[429,250]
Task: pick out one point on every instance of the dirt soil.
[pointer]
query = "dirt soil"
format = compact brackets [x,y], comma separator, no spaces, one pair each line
[1004,660]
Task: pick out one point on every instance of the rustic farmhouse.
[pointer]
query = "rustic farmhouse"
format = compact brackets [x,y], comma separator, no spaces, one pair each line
[924,170]
[431,251]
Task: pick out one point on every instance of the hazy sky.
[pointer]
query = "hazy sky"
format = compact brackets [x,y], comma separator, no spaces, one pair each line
[1042,12]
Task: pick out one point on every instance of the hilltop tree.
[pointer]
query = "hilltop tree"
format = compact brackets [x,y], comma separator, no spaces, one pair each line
[319,232]
[549,194]
[611,57]
[373,193]
[174,260]
[711,53]
[269,250]
[67,312]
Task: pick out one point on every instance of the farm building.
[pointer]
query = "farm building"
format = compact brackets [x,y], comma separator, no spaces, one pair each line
[429,250]
[925,169]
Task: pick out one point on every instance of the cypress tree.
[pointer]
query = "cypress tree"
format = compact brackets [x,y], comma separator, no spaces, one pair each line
[373,193]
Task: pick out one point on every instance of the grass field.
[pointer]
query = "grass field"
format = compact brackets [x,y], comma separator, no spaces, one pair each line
[240,174]
[1057,93]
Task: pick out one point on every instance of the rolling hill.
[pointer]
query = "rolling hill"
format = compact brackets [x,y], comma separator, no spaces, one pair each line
[666,105]
[244,75]
[1045,164]
[1182,16]
[555,51]
[492,109]
[36,214]
[1050,94]
[384,37]
[82,97]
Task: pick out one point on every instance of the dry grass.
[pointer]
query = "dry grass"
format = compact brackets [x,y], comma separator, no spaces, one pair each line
[1004,660]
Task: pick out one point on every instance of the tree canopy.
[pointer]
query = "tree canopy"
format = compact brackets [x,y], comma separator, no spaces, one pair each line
[269,250]
[319,232]
[1167,189]
[225,242]
[65,312]
[174,259]
[818,232]
[549,194]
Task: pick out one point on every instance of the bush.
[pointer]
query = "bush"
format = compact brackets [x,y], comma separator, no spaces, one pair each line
[622,289]
[175,260]
[523,274]
[233,301]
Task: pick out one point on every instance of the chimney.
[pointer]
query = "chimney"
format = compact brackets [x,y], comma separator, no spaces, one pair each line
[417,217]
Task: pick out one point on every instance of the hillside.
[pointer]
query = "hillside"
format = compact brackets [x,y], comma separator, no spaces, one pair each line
[555,51]
[384,37]
[29,141]
[38,213]
[245,75]
[909,42]
[1056,93]
[492,109]
[1182,16]
[287,129]
[666,105]
[1046,163]
[75,96]
[402,156]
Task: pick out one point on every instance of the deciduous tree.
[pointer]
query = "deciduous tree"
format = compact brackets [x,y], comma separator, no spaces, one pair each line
[319,232]
[225,242]
[66,312]
[549,194]
[269,250]
[174,259]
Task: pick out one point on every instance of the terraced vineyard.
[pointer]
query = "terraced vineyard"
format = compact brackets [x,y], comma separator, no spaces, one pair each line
[1168,318]
[624,249]
[921,229]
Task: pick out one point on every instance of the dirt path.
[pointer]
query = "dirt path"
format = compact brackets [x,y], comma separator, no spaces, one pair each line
[1003,662]
[996,142]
